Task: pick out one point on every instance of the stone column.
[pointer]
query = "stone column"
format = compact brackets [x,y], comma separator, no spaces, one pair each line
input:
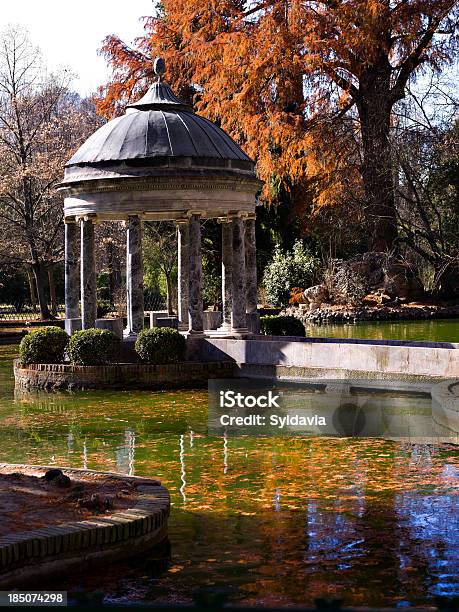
[134,276]
[227,272]
[88,275]
[72,273]
[195,305]
[239,319]
[183,274]
[251,264]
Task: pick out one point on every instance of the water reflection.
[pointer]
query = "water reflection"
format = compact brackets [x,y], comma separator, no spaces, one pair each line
[283,520]
[182,468]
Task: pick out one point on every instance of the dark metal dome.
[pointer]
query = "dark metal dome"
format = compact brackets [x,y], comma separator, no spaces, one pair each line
[159,125]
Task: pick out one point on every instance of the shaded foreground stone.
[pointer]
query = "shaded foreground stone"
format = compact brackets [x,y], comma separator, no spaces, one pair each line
[61,532]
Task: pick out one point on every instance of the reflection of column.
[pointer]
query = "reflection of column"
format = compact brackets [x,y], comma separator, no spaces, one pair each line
[134,276]
[183,273]
[72,273]
[88,275]
[239,321]
[227,273]
[195,305]
[182,468]
[251,264]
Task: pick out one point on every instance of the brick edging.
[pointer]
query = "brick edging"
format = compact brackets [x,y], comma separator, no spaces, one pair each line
[24,554]
[51,376]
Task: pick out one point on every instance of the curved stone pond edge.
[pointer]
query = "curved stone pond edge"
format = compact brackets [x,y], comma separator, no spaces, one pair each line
[445,404]
[261,357]
[29,555]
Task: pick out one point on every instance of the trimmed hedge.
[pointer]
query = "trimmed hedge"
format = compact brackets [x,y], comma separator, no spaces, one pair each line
[45,345]
[160,345]
[94,347]
[280,325]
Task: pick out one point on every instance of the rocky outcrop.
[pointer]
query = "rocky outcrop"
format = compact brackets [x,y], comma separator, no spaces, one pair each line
[350,314]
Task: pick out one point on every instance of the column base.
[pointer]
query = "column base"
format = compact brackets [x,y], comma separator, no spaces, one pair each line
[253,322]
[238,334]
[241,331]
[193,333]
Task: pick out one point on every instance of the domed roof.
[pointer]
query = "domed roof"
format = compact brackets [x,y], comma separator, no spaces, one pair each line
[159,125]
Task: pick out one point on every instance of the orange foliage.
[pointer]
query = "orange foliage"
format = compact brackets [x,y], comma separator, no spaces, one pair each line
[292,81]
[296,295]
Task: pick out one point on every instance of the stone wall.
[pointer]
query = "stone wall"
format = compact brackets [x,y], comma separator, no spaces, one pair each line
[29,555]
[326,358]
[123,376]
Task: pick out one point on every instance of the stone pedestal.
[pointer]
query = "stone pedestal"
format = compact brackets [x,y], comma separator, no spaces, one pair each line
[239,297]
[113,325]
[195,305]
[183,274]
[134,277]
[72,325]
[88,275]
[172,322]
[72,272]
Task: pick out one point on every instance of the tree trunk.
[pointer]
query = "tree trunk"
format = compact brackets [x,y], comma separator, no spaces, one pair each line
[39,274]
[33,294]
[170,309]
[52,289]
[114,272]
[374,106]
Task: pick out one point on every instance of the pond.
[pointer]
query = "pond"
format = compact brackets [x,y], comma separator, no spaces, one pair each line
[440,330]
[279,520]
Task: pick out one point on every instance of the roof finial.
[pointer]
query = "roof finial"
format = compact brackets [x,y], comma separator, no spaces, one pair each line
[159,67]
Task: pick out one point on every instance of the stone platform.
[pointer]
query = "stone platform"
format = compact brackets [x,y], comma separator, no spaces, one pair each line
[57,542]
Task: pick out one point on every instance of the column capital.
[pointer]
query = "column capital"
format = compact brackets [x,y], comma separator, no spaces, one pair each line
[230,215]
[251,216]
[197,213]
[89,217]
[182,221]
[70,220]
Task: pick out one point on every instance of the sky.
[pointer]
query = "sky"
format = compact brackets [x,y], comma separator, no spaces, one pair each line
[69,33]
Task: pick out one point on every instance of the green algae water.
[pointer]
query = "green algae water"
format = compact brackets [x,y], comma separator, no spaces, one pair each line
[278,521]
[440,330]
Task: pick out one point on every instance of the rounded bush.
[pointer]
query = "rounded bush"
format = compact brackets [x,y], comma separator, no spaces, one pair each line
[44,345]
[94,347]
[281,325]
[160,345]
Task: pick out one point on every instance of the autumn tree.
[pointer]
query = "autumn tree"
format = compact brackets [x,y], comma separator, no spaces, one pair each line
[41,124]
[283,76]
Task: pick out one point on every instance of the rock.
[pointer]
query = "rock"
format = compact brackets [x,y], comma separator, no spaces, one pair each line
[51,474]
[57,478]
[314,296]
[61,481]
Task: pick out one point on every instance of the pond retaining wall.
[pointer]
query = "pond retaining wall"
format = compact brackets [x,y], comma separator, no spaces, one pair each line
[123,375]
[57,549]
[290,357]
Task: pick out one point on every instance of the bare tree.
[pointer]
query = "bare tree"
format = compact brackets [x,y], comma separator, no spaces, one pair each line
[160,244]
[426,152]
[41,124]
